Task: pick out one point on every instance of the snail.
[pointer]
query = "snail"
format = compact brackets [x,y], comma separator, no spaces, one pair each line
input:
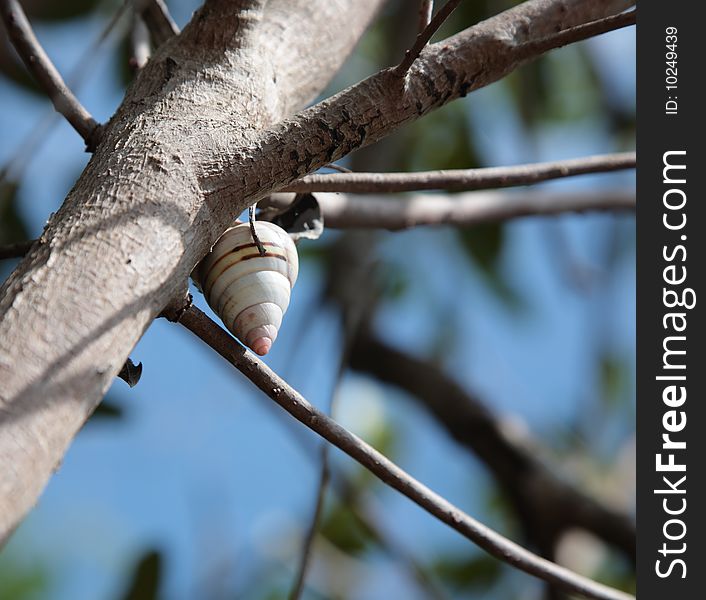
[247,290]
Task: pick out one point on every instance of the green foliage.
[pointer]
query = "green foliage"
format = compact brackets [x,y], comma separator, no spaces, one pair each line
[345,530]
[51,10]
[615,375]
[441,140]
[555,89]
[483,246]
[465,574]
[145,580]
[22,583]
[12,224]
[616,572]
[107,410]
[528,90]
[318,252]
[392,280]
[340,525]
[621,242]
[468,14]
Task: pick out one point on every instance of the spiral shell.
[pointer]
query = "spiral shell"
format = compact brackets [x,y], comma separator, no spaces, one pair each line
[248,291]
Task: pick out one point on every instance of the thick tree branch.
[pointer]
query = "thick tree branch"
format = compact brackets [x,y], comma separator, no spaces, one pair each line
[462,179]
[157,20]
[38,63]
[546,504]
[388,472]
[368,111]
[136,222]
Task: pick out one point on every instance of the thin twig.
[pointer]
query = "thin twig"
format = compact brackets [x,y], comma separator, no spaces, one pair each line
[158,21]
[578,33]
[424,37]
[339,168]
[387,471]
[253,233]
[38,63]
[462,179]
[426,9]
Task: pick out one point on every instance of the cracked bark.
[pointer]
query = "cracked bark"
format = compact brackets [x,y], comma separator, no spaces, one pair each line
[185,152]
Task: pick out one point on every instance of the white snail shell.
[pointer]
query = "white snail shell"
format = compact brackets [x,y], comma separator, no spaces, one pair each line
[248,291]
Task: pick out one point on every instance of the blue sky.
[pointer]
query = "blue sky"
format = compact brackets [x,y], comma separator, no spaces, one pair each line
[204,468]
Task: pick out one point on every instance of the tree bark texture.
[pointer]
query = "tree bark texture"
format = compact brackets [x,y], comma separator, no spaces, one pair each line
[135,223]
[200,136]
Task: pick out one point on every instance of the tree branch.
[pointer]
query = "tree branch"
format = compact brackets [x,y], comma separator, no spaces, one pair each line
[158,21]
[546,504]
[38,63]
[190,147]
[462,179]
[463,210]
[426,9]
[341,211]
[371,109]
[425,35]
[135,223]
[23,154]
[389,473]
[579,33]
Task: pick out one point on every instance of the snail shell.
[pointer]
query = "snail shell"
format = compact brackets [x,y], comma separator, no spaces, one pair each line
[248,291]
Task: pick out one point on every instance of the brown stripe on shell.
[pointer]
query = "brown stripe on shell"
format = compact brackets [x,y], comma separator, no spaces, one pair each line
[238,249]
[207,291]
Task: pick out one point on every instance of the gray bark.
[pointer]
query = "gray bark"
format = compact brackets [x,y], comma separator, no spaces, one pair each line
[341,211]
[186,152]
[137,221]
